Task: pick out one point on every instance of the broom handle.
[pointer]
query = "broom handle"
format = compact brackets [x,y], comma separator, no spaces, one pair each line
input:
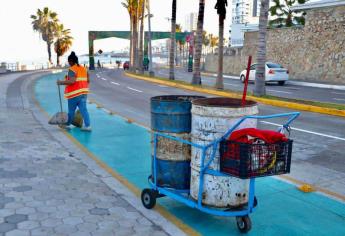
[60,98]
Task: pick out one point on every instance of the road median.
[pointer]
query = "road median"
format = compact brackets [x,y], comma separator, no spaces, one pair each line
[302,105]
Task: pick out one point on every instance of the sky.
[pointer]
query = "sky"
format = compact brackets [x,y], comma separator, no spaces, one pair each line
[18,42]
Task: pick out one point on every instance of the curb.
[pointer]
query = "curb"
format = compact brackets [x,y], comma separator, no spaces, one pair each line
[292,82]
[276,103]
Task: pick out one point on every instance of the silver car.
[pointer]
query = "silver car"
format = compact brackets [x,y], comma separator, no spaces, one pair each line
[274,73]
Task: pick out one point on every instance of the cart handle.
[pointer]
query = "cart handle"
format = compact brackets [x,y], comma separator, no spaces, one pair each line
[292,116]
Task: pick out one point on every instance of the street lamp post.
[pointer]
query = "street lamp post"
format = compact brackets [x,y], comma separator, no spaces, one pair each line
[151,72]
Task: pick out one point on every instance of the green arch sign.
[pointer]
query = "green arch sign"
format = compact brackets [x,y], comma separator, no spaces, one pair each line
[94,35]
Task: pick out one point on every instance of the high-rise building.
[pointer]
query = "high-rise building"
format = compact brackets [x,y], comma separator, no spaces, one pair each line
[191,20]
[245,11]
[245,17]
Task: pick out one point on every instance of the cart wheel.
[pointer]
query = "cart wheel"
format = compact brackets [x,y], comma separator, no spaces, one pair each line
[148,198]
[244,223]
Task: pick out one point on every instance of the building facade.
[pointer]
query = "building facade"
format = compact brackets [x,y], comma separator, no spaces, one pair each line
[245,17]
[314,52]
[245,11]
[191,21]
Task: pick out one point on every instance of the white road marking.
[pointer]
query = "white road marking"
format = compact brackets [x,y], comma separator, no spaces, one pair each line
[306,131]
[115,83]
[293,88]
[231,77]
[315,85]
[339,99]
[106,110]
[235,85]
[338,93]
[162,86]
[103,79]
[278,91]
[135,90]
[226,76]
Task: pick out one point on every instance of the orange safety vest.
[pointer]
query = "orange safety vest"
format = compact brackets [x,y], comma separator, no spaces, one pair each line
[81,86]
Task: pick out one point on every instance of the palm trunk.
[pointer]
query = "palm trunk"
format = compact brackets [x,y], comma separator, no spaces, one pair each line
[135,43]
[131,44]
[260,89]
[181,55]
[151,73]
[57,60]
[172,42]
[49,53]
[57,53]
[141,41]
[182,62]
[219,82]
[198,44]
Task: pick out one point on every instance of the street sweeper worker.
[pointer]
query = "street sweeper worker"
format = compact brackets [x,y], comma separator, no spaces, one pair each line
[76,90]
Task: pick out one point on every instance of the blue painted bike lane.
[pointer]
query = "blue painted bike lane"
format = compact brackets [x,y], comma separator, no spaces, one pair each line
[126,149]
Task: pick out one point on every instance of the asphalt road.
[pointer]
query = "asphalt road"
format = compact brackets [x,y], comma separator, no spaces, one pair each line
[318,153]
[289,90]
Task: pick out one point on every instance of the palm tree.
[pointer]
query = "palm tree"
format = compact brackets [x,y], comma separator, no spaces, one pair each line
[260,89]
[127,4]
[172,41]
[205,41]
[198,44]
[135,33]
[180,42]
[141,14]
[286,16]
[45,22]
[132,6]
[63,42]
[221,11]
[213,42]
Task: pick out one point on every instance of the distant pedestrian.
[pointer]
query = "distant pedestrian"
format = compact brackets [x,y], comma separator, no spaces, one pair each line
[118,64]
[99,64]
[76,90]
[146,63]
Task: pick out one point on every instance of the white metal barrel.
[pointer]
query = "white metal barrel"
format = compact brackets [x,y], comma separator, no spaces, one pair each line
[211,118]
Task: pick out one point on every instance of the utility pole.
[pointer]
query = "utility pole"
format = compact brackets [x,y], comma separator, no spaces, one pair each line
[169,43]
[151,72]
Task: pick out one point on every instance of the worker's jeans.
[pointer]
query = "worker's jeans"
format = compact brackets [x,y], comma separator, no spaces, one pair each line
[80,102]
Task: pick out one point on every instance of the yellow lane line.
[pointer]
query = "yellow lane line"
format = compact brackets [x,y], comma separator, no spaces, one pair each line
[288,178]
[187,229]
[319,189]
[277,103]
[226,94]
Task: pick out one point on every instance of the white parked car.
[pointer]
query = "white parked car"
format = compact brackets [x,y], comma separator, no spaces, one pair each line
[274,73]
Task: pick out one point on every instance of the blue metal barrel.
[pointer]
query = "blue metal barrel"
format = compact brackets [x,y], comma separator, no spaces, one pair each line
[173,174]
[171,114]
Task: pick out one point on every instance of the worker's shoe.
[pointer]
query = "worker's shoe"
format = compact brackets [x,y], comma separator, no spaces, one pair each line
[86,128]
[66,127]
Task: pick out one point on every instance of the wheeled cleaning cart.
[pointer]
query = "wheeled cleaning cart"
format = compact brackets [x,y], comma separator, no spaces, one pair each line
[250,161]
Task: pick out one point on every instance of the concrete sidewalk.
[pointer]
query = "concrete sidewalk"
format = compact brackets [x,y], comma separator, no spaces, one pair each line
[50,187]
